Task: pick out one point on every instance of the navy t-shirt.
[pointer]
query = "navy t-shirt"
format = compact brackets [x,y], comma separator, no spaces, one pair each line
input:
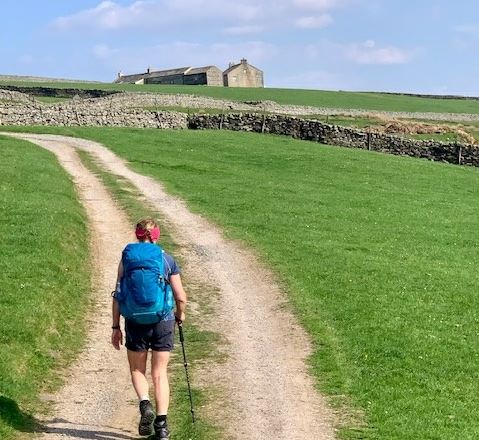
[169,266]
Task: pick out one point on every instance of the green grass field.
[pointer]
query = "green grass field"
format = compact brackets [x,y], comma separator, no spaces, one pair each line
[385,277]
[378,254]
[317,98]
[44,274]
[380,249]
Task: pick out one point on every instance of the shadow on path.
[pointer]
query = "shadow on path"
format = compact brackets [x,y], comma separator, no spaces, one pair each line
[102,433]
[12,415]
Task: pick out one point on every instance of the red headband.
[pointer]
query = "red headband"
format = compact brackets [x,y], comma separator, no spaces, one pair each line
[154,234]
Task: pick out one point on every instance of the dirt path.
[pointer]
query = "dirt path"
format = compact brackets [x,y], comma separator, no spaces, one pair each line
[267,391]
[92,404]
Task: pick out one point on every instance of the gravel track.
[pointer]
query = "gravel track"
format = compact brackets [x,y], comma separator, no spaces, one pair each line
[265,391]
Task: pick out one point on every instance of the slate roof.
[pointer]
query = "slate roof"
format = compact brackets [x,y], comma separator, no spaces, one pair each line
[177,71]
[196,70]
[152,74]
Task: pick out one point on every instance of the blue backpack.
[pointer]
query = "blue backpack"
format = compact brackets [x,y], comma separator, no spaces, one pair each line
[145,295]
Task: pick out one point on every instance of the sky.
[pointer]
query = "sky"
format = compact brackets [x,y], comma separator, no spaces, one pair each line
[421,46]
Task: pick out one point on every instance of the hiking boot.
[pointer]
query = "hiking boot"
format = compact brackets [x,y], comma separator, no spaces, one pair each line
[161,430]
[146,418]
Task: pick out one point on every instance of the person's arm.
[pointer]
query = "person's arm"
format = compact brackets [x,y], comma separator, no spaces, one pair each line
[180,296]
[116,335]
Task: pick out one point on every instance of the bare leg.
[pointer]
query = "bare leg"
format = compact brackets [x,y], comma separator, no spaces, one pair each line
[137,361]
[159,367]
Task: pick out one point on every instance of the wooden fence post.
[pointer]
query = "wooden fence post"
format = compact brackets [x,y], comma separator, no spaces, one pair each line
[222,117]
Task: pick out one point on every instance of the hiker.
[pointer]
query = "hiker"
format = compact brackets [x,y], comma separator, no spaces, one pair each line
[147,273]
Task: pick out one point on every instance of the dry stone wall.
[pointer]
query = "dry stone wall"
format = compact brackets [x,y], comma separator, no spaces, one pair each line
[18,109]
[316,131]
[59,92]
[131,110]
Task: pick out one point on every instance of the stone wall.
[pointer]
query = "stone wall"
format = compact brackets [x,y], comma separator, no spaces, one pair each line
[59,92]
[422,95]
[18,109]
[316,131]
[128,110]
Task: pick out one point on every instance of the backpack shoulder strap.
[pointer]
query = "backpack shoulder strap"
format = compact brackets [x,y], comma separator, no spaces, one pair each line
[168,267]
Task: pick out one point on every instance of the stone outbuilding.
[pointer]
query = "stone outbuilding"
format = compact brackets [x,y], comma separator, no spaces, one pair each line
[208,75]
[243,75]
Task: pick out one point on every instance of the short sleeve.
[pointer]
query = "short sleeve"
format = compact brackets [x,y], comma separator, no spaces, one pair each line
[170,266]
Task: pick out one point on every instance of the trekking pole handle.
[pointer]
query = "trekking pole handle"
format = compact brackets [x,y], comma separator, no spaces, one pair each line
[180,328]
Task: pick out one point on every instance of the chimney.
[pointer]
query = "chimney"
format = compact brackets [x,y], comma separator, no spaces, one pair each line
[244,61]
[148,70]
[231,64]
[120,74]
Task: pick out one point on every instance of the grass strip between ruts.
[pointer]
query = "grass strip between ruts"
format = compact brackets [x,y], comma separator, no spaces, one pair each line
[199,344]
[44,274]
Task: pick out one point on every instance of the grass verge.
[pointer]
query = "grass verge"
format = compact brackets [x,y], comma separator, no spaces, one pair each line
[378,252]
[44,274]
[199,344]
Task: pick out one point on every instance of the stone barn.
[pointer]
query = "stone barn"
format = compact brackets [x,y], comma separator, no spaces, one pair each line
[171,76]
[208,75]
[243,75]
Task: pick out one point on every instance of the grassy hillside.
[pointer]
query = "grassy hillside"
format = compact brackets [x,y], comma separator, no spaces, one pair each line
[317,98]
[378,254]
[44,275]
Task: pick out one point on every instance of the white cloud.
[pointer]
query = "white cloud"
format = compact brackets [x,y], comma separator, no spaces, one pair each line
[240,17]
[109,15]
[316,22]
[239,10]
[368,53]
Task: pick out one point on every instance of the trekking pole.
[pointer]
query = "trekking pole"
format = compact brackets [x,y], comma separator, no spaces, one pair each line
[182,340]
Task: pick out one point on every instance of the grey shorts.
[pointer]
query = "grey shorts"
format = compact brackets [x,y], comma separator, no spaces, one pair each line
[143,337]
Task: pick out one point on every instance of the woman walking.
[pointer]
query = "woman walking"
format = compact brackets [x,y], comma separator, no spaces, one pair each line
[148,283]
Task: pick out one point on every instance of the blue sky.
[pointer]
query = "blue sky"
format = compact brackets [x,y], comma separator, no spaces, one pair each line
[420,46]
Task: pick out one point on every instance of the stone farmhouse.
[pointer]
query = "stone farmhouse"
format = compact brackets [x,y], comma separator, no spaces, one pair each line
[242,74]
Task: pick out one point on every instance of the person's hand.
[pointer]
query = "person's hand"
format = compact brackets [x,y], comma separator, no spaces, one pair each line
[117,338]
[180,317]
